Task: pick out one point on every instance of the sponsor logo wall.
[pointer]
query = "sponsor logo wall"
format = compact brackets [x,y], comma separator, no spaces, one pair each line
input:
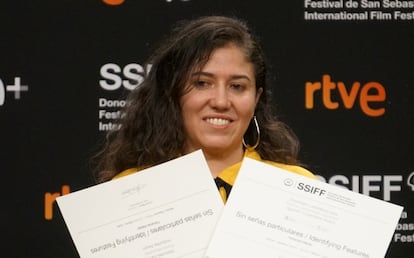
[342,74]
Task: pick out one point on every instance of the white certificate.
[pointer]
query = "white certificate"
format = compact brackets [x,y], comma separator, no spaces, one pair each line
[169,210]
[274,213]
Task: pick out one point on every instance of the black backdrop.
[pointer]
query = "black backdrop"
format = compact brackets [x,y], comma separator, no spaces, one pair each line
[66,54]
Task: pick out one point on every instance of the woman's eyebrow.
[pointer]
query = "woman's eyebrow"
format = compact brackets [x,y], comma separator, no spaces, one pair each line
[233,77]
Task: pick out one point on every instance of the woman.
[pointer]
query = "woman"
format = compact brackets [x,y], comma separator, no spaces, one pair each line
[206,90]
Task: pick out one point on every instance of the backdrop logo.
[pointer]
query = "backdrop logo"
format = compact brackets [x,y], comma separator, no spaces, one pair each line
[410,181]
[16,88]
[380,186]
[119,2]
[113,2]
[371,95]
[50,200]
[129,76]
[2,95]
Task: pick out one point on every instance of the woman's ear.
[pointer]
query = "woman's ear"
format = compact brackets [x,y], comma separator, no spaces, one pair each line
[258,94]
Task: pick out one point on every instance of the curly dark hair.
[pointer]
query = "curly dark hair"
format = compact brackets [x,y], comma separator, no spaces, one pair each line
[151,126]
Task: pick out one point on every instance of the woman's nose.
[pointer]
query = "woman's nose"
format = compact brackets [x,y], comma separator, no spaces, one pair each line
[220,98]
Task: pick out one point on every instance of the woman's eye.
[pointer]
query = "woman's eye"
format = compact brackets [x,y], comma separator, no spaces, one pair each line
[200,84]
[237,86]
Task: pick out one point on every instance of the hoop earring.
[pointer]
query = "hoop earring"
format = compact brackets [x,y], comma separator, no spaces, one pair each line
[250,148]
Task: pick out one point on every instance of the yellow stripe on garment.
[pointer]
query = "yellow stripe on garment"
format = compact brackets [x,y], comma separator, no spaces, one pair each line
[223,194]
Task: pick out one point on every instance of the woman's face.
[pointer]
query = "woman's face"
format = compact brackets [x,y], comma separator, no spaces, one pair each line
[220,102]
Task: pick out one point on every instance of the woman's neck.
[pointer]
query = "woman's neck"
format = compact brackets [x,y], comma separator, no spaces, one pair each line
[218,161]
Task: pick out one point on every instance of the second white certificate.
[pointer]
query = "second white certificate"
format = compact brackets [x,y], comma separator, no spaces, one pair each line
[274,213]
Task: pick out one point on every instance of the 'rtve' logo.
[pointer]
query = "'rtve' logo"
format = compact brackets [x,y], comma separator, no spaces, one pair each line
[50,199]
[369,95]
[17,88]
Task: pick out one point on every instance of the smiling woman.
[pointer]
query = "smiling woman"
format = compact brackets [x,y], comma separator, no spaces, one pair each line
[206,90]
[218,106]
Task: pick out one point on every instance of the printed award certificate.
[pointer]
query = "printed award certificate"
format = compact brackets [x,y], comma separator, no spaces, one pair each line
[169,210]
[274,213]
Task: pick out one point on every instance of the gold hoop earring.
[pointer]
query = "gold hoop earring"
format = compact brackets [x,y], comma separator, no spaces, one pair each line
[250,148]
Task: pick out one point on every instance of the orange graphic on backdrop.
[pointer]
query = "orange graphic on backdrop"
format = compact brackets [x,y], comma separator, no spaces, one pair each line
[113,2]
[50,199]
[369,95]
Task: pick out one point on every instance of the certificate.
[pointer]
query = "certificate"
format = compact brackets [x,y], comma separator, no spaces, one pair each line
[274,213]
[169,210]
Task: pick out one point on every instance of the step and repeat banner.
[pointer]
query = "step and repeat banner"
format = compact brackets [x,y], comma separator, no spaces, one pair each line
[342,76]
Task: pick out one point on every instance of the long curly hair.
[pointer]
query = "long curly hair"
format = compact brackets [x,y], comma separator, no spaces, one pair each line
[151,126]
